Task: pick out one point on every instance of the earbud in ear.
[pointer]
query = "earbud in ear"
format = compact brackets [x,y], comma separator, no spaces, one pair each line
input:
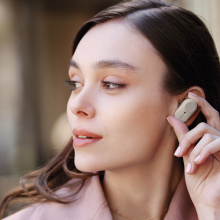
[185,110]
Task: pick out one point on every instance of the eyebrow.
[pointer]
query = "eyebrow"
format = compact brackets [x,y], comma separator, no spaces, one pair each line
[104,64]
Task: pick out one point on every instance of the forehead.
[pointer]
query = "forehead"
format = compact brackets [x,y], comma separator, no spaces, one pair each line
[117,40]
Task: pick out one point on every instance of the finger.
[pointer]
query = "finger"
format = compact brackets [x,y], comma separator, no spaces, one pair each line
[211,148]
[179,127]
[180,130]
[195,153]
[211,114]
[201,130]
[187,162]
[201,169]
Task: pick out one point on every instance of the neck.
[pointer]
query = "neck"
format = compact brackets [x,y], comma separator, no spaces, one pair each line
[143,191]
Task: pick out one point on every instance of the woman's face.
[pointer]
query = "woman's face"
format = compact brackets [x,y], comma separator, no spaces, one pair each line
[129,111]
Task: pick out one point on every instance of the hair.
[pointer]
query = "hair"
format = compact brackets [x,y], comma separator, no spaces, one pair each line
[188,50]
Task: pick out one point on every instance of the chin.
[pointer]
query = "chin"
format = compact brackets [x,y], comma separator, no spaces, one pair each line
[87,166]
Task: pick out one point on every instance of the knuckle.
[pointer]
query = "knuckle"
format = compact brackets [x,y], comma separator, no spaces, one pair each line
[208,137]
[202,125]
[207,150]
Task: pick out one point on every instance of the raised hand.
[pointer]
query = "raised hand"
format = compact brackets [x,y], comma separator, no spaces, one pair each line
[202,162]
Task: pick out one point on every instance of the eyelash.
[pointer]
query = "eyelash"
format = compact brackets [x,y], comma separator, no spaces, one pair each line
[73,83]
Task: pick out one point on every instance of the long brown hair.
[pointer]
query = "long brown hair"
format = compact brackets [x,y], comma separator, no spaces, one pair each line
[187,48]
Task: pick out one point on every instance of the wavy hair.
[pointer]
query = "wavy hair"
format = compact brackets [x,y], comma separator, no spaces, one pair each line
[188,50]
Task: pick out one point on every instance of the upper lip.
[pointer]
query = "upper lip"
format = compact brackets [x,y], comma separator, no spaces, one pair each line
[83,132]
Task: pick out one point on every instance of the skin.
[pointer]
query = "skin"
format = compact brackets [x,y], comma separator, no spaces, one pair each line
[202,161]
[138,142]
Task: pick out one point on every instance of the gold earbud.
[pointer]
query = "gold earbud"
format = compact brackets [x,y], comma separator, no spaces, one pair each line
[185,110]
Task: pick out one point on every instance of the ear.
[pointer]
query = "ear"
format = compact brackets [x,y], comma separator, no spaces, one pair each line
[198,91]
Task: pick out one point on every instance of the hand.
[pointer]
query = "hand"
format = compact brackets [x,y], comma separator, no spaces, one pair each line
[202,162]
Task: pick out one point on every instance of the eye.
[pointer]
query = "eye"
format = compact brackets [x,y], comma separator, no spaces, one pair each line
[106,85]
[111,86]
[73,84]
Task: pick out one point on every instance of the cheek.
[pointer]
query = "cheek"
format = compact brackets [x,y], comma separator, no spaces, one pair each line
[133,127]
[135,114]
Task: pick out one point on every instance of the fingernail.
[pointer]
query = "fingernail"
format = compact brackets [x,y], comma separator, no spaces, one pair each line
[169,121]
[188,168]
[177,152]
[193,94]
[197,158]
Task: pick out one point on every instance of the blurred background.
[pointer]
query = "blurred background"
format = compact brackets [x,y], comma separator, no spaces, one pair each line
[35,49]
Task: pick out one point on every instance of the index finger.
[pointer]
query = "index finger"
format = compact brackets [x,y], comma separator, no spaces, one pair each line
[211,114]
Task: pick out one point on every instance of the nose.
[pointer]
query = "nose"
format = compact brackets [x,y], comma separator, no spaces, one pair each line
[82,104]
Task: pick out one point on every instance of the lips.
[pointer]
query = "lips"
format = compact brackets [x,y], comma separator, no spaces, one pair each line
[79,142]
[83,132]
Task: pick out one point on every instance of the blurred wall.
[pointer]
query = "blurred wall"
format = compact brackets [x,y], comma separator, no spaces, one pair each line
[208,11]
[10,87]
[35,49]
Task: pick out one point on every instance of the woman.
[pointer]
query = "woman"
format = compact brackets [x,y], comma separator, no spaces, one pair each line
[132,66]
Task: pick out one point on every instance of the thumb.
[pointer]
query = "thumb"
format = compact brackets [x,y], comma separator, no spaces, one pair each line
[180,130]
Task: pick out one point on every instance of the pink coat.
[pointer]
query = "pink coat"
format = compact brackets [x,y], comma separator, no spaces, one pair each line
[91,204]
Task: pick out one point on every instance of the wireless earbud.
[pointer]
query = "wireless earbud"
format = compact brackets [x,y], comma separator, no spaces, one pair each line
[185,110]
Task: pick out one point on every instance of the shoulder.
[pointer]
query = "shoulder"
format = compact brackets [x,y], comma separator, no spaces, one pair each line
[25,213]
[90,203]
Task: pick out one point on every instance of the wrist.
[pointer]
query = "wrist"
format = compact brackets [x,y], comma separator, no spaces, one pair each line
[208,213]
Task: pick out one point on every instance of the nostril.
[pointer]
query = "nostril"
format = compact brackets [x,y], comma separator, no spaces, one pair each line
[80,109]
[82,113]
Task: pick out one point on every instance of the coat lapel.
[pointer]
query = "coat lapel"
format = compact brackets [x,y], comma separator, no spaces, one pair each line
[181,206]
[91,203]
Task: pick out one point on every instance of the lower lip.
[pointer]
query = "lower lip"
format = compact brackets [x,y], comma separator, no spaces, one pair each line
[80,142]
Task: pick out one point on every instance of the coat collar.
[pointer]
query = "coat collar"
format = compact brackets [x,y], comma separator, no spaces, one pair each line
[90,204]
[92,198]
